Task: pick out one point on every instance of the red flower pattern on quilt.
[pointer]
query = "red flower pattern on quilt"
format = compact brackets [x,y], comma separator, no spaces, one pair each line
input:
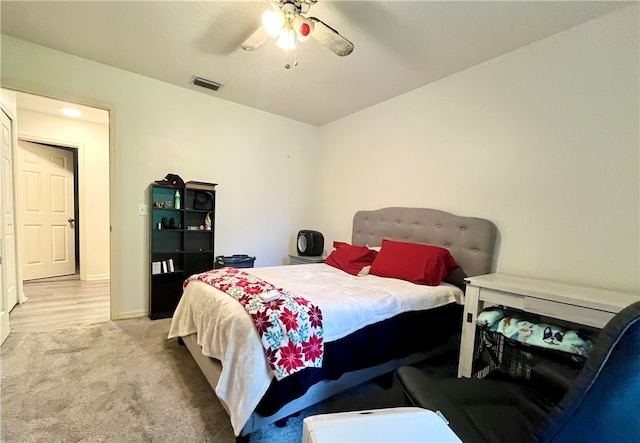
[272,356]
[261,320]
[290,326]
[315,317]
[244,300]
[290,319]
[253,290]
[291,357]
[274,304]
[313,348]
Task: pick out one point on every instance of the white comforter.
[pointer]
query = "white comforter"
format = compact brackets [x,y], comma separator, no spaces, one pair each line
[226,332]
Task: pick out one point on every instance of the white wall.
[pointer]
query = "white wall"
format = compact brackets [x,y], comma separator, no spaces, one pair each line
[157,128]
[92,140]
[543,141]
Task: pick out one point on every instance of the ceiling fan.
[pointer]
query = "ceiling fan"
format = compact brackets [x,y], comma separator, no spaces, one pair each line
[286,22]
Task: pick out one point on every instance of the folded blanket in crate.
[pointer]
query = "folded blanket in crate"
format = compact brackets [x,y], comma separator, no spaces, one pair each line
[536,334]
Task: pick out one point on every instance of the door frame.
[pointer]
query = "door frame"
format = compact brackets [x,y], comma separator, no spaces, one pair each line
[79,198]
[4,303]
[114,242]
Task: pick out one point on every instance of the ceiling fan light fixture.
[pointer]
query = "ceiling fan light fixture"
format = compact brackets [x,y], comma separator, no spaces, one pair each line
[288,24]
[272,21]
[303,27]
[287,39]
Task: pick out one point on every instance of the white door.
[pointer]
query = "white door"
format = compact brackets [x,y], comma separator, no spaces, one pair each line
[46,205]
[4,312]
[8,276]
[8,217]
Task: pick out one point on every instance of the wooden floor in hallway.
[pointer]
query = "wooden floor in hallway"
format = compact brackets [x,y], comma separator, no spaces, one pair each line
[57,304]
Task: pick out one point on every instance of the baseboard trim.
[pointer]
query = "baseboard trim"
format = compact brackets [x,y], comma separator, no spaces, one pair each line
[4,326]
[128,315]
[98,277]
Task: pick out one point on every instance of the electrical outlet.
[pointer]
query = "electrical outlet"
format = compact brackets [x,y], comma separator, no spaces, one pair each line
[142,209]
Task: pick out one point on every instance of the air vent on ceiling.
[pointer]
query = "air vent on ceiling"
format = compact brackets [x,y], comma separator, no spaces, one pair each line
[203,82]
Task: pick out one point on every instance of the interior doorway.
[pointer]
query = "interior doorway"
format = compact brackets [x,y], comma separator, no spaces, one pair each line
[63,210]
[47,205]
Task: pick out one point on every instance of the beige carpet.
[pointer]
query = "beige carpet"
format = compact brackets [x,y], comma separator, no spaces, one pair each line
[123,381]
[116,381]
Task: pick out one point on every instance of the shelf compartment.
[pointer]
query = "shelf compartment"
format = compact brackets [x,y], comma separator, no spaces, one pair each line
[198,262]
[198,241]
[166,241]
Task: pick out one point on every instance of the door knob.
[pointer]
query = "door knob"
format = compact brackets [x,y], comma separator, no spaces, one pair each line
[72,223]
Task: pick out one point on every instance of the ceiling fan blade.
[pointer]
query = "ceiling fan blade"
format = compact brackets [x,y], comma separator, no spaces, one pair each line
[331,38]
[256,40]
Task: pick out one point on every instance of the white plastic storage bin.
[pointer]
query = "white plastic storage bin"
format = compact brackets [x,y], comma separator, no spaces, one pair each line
[406,424]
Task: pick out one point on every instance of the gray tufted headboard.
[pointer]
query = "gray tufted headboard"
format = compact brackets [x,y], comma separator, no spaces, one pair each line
[470,240]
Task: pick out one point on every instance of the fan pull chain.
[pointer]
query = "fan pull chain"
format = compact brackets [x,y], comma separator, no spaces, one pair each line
[287,65]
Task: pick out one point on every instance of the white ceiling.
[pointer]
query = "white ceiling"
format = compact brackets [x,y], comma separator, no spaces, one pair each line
[399,46]
[30,102]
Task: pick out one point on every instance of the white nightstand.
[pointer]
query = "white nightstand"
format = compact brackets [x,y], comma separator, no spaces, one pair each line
[577,304]
[303,260]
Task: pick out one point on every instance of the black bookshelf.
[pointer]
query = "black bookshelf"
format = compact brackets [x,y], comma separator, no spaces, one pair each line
[181,242]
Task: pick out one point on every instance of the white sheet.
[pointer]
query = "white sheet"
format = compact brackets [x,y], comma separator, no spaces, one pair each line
[348,303]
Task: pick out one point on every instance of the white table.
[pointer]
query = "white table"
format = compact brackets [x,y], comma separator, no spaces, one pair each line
[577,304]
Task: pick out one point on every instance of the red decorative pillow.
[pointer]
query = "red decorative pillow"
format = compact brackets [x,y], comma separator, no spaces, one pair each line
[420,264]
[351,259]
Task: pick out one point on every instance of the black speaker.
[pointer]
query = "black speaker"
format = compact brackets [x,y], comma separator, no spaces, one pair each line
[310,243]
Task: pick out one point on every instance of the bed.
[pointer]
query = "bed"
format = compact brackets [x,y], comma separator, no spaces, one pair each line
[361,342]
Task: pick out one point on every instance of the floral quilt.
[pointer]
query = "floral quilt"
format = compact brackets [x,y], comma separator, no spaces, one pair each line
[290,327]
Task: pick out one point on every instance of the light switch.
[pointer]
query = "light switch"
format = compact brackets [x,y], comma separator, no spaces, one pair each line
[142,209]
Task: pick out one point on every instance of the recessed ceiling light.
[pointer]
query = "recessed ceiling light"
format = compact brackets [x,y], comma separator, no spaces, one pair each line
[71,112]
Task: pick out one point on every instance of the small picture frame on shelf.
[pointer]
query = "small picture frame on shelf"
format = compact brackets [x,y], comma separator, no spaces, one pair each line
[163,204]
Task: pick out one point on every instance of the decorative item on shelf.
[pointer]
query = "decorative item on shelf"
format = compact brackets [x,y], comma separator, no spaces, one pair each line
[156,268]
[203,201]
[171,180]
[168,223]
[177,199]
[170,266]
[207,222]
[163,204]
